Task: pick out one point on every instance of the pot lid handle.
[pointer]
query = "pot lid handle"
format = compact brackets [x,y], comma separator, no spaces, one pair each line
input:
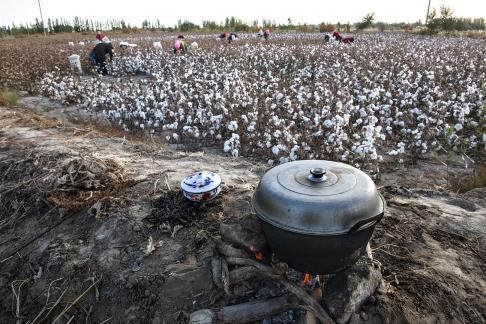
[317,175]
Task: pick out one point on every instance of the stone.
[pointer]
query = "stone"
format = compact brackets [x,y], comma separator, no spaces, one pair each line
[349,289]
[203,316]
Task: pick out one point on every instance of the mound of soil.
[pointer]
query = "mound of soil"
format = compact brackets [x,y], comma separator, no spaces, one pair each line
[433,256]
[173,209]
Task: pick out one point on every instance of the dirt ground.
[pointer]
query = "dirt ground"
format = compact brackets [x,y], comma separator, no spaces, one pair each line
[93,230]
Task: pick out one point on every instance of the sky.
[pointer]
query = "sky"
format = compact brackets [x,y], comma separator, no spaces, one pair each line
[168,12]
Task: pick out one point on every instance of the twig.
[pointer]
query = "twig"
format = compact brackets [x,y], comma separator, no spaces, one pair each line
[75,301]
[155,186]
[16,295]
[54,306]
[167,183]
[10,254]
[47,300]
[16,187]
[379,247]
[48,212]
[88,313]
[106,320]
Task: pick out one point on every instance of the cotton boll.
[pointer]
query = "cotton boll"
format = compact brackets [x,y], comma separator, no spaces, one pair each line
[458,127]
[275,150]
[328,123]
[233,125]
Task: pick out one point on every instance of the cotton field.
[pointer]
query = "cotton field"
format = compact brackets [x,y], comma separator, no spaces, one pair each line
[387,97]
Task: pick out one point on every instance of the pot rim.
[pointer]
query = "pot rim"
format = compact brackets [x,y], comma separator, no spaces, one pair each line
[371,221]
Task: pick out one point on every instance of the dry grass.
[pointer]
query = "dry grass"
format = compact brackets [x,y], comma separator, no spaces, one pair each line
[465,183]
[83,181]
[475,33]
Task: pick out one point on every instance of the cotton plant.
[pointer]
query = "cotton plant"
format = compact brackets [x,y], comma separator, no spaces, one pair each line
[296,98]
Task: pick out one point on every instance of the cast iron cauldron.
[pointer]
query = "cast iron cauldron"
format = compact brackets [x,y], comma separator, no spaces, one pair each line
[317,215]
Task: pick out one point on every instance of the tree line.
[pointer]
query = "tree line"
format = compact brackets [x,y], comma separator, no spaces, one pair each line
[438,20]
[444,20]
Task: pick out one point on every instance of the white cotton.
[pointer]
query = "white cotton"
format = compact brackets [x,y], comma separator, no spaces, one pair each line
[328,123]
[275,150]
[233,125]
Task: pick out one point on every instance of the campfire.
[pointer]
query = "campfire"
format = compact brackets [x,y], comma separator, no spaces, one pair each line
[307,236]
[307,279]
[258,255]
[261,287]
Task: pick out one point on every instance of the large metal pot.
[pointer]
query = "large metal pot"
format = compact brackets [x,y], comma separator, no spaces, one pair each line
[317,215]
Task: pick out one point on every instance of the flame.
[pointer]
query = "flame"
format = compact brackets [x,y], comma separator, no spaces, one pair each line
[307,279]
[258,254]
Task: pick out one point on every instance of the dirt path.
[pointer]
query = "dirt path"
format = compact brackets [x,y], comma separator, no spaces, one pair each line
[431,244]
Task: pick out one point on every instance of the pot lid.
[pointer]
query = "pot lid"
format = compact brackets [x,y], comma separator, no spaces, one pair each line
[201,181]
[317,197]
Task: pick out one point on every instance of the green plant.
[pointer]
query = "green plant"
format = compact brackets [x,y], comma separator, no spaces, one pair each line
[8,98]
[366,22]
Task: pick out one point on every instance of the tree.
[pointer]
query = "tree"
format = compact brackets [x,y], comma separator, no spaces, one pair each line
[381,26]
[446,18]
[366,22]
[325,28]
[347,27]
[186,25]
[77,24]
[145,24]
[38,26]
[50,28]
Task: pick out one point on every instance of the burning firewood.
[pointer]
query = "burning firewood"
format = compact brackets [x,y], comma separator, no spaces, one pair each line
[307,279]
[310,303]
[229,250]
[242,238]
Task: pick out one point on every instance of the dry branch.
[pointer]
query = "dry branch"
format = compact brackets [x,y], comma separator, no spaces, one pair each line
[243,313]
[225,276]
[216,270]
[75,301]
[242,274]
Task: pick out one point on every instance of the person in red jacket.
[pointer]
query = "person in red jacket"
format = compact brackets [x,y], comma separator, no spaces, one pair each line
[223,36]
[348,40]
[337,36]
[266,34]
